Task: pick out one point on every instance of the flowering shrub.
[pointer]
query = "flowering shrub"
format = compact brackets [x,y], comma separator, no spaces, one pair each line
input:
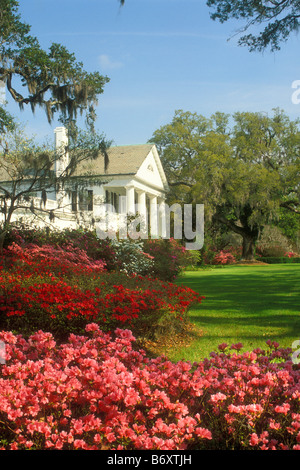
[96,392]
[212,255]
[291,254]
[224,257]
[59,260]
[159,258]
[61,291]
[132,259]
[84,240]
[169,257]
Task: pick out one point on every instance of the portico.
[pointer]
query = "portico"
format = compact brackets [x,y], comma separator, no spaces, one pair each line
[134,185]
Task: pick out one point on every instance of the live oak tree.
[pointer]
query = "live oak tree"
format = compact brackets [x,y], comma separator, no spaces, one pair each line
[275,20]
[52,80]
[244,168]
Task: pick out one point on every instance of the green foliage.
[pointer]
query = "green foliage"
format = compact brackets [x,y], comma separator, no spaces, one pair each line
[278,20]
[243,173]
[52,80]
[289,223]
[279,260]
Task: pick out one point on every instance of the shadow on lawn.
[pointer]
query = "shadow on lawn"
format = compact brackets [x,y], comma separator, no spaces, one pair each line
[249,301]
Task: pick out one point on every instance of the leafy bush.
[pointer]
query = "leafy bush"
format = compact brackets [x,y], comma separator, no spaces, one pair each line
[65,259]
[282,259]
[272,243]
[160,258]
[169,257]
[96,392]
[131,257]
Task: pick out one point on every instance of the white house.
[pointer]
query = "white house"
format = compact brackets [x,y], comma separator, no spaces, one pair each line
[134,184]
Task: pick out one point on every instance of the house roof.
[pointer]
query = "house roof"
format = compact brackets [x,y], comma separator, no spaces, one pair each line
[123,160]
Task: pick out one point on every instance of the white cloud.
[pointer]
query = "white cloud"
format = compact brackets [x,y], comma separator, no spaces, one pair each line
[107,64]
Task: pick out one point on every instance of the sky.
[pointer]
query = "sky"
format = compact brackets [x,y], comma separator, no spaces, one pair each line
[160,56]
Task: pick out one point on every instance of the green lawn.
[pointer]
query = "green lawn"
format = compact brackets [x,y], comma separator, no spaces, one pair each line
[247,304]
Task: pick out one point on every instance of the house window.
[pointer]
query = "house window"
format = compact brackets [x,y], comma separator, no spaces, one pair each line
[82,200]
[74,201]
[116,202]
[90,200]
[112,199]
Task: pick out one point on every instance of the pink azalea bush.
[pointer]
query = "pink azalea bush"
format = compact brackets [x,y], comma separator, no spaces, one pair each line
[66,259]
[291,254]
[97,391]
[224,257]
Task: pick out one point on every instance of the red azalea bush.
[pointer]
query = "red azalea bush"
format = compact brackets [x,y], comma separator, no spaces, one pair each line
[61,290]
[84,240]
[96,392]
[168,256]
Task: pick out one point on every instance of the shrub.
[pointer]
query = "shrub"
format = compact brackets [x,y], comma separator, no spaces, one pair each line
[224,257]
[66,259]
[292,254]
[62,291]
[169,257]
[96,392]
[214,256]
[82,239]
[131,257]
[273,243]
[284,260]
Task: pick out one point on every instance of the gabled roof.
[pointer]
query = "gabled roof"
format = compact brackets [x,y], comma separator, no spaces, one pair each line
[123,160]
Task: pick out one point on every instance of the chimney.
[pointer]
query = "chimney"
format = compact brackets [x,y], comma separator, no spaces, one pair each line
[61,146]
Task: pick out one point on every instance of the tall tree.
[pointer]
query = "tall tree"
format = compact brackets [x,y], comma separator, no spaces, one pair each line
[276,19]
[243,173]
[52,80]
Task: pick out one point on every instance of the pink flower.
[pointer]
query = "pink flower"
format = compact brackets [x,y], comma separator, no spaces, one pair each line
[254,440]
[285,408]
[203,433]
[222,346]
[218,397]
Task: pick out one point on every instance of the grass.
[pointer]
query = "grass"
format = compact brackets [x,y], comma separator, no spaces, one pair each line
[247,304]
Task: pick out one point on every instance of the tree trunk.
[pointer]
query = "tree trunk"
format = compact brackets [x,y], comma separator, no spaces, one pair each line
[248,253]
[248,233]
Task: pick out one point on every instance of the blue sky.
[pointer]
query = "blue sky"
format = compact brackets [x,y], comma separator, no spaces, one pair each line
[160,56]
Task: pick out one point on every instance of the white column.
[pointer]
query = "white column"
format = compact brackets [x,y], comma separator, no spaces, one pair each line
[153,217]
[162,219]
[142,209]
[61,143]
[61,162]
[130,200]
